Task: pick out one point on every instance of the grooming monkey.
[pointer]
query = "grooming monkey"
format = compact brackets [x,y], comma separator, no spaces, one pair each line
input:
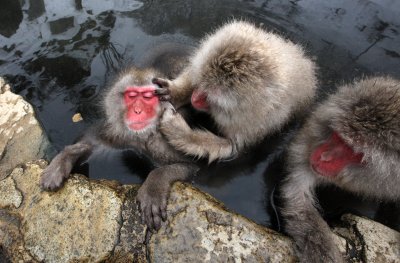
[131,117]
[352,140]
[250,81]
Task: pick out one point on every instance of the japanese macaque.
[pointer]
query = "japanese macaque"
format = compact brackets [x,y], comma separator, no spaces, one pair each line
[352,141]
[250,81]
[132,112]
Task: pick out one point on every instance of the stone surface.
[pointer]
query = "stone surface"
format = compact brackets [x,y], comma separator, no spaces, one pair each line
[21,137]
[199,229]
[83,221]
[12,196]
[369,240]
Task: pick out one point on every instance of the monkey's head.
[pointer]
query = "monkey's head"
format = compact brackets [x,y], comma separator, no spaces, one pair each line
[131,106]
[357,132]
[230,69]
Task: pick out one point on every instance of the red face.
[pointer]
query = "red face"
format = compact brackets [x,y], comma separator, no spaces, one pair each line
[199,100]
[142,106]
[331,157]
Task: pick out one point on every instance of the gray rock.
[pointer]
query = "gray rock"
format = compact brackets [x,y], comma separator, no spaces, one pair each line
[200,229]
[369,241]
[21,137]
[84,221]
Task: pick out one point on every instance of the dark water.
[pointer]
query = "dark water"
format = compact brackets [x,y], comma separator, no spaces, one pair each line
[57,55]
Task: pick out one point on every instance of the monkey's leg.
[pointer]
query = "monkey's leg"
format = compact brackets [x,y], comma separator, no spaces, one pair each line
[199,143]
[154,192]
[178,90]
[313,237]
[61,166]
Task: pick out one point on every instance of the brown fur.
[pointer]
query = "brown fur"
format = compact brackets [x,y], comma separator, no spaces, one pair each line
[255,82]
[366,114]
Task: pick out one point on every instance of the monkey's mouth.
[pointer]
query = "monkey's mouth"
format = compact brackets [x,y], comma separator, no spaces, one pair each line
[199,100]
[138,125]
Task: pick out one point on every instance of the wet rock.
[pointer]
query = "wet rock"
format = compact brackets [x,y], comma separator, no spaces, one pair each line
[21,137]
[369,241]
[84,221]
[200,229]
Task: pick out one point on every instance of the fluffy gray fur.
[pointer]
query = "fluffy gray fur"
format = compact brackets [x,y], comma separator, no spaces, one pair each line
[366,114]
[255,82]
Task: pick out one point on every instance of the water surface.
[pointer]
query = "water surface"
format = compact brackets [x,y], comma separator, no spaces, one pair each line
[57,55]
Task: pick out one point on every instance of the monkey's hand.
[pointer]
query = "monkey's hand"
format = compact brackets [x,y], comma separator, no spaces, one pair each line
[152,197]
[54,175]
[163,92]
[200,143]
[61,166]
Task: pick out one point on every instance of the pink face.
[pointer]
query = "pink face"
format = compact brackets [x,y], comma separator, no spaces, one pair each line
[142,106]
[199,100]
[331,157]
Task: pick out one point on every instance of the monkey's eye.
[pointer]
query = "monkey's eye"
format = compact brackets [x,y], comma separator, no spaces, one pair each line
[131,94]
[148,95]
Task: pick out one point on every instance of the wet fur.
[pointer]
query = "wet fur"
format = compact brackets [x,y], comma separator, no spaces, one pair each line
[255,81]
[366,114]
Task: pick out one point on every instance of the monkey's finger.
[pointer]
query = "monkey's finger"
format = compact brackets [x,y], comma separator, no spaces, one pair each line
[165,98]
[156,217]
[149,219]
[163,209]
[162,91]
[142,215]
[161,82]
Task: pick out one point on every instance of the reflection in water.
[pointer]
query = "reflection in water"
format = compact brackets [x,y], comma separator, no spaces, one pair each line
[58,55]
[10,17]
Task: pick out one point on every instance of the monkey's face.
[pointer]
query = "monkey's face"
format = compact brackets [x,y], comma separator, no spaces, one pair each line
[142,107]
[199,100]
[208,98]
[363,133]
[131,106]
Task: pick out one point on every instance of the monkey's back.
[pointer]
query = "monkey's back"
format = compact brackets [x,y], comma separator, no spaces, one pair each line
[266,79]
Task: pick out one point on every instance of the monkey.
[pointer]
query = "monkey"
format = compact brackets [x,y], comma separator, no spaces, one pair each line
[131,118]
[351,141]
[250,81]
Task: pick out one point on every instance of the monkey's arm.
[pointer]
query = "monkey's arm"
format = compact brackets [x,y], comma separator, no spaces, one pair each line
[61,166]
[199,143]
[154,192]
[313,237]
[178,91]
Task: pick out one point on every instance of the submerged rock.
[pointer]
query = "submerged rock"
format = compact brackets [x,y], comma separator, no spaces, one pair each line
[21,137]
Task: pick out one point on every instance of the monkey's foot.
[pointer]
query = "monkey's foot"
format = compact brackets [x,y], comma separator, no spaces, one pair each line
[153,206]
[52,179]
[163,92]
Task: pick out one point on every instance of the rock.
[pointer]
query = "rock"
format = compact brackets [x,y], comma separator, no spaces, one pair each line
[200,229]
[83,221]
[18,129]
[369,241]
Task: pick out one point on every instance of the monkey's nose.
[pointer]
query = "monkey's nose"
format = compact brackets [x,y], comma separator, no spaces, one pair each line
[137,110]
